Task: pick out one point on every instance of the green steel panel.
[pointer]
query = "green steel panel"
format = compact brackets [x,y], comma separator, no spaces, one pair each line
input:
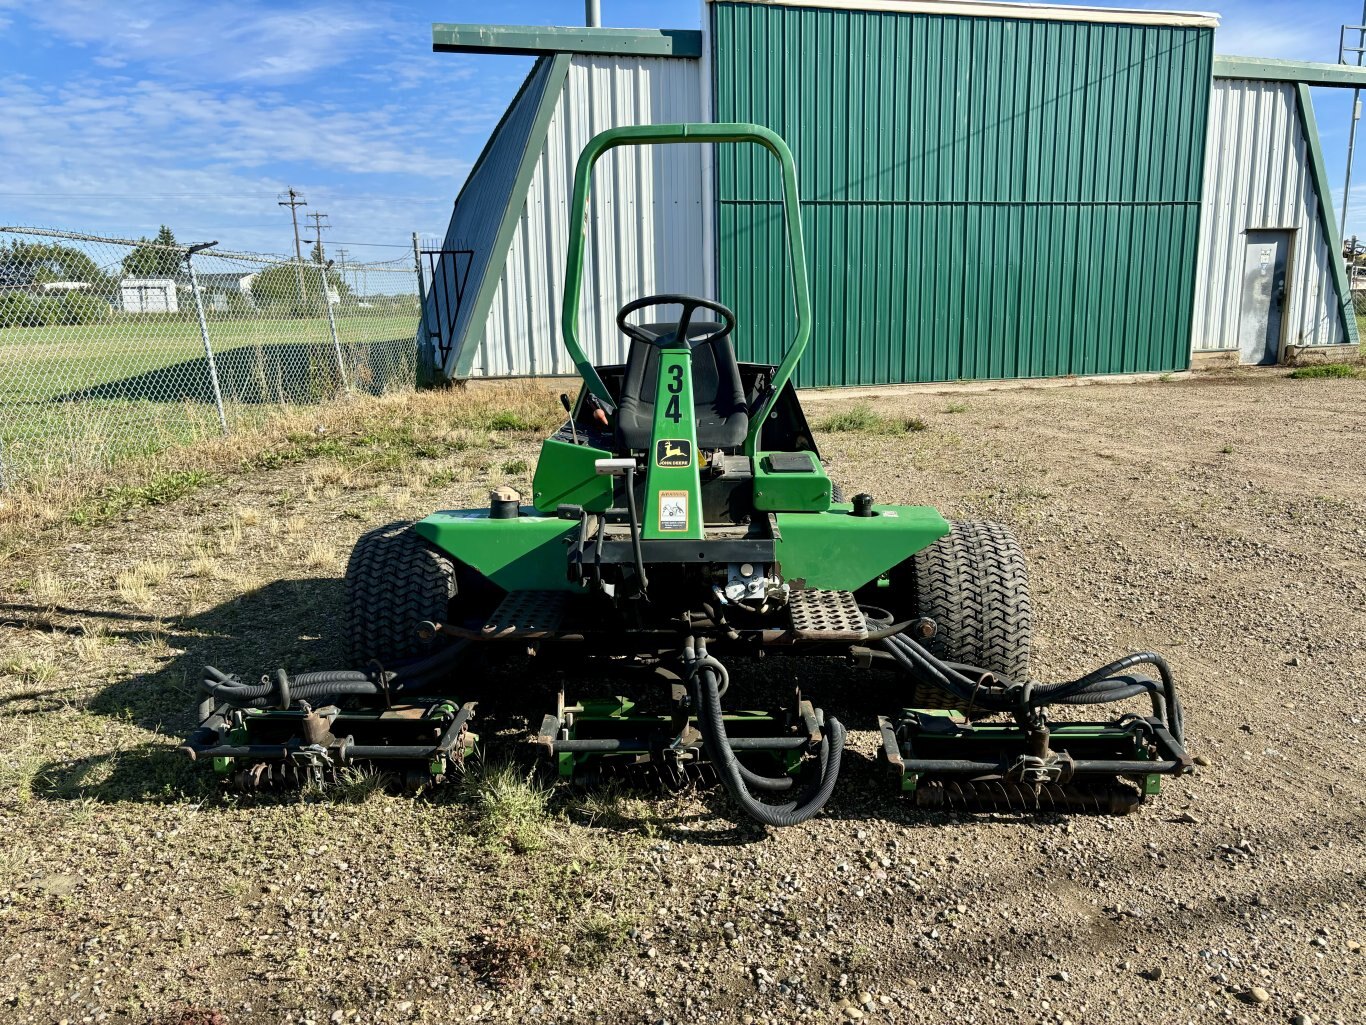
[982,197]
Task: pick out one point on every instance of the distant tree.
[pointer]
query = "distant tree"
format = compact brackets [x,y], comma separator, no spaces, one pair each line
[276,289]
[31,264]
[154,257]
[316,253]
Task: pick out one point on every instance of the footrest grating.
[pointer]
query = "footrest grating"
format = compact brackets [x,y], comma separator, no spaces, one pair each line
[826,616]
[527,614]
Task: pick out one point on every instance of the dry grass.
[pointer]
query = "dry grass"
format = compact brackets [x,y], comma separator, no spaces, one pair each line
[339,441]
[322,556]
[137,586]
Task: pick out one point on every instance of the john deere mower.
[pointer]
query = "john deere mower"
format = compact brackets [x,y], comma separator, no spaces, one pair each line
[682,525]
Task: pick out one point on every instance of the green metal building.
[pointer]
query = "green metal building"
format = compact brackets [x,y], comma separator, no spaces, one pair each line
[989,190]
[984,196]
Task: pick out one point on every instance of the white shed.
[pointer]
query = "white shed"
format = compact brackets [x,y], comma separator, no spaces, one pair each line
[148,295]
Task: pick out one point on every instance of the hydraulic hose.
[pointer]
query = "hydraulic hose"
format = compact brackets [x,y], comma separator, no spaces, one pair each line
[734,776]
[283,690]
[1108,683]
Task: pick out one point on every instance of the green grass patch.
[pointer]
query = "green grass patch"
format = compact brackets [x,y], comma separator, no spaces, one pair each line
[512,807]
[1325,370]
[863,419]
[162,489]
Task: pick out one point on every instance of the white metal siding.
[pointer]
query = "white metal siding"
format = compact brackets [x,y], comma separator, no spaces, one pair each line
[646,230]
[1257,176]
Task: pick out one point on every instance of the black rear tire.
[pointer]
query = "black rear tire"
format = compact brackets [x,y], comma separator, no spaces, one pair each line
[973,583]
[394,582]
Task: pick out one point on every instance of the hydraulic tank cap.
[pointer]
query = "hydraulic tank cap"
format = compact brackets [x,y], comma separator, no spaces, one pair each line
[863,505]
[504,503]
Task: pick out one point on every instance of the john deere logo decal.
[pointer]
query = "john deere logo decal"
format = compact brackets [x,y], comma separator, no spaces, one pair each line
[673,453]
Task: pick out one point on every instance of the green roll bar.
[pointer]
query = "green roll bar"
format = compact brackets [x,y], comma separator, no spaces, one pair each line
[650,135]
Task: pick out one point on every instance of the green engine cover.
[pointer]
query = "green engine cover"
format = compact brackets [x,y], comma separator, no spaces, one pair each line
[525,554]
[837,551]
[565,475]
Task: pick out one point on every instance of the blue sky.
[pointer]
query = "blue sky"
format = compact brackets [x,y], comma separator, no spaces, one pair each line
[118,117]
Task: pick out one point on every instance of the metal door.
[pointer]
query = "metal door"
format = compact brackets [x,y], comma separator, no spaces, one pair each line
[1261,310]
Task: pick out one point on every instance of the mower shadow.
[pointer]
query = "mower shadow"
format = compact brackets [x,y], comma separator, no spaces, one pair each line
[294,623]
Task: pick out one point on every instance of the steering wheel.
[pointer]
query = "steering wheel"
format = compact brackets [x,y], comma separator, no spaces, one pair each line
[691,304]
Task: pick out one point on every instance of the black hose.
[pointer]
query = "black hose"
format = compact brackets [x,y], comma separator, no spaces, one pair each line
[285,690]
[1100,686]
[733,774]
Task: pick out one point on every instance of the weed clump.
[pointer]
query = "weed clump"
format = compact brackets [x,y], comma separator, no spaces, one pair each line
[863,419]
[1316,370]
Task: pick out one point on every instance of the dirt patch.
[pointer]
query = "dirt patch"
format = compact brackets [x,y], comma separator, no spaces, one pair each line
[1221,521]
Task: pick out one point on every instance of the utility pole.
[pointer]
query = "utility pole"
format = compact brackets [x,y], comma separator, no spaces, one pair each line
[294,202]
[1357,53]
[592,13]
[318,227]
[341,261]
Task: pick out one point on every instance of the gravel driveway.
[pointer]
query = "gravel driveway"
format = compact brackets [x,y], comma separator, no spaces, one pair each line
[1220,519]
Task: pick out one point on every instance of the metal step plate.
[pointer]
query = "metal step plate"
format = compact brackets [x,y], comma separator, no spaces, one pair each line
[826,616]
[527,614]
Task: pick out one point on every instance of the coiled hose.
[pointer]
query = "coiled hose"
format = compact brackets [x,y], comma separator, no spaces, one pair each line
[282,690]
[706,679]
[1110,682]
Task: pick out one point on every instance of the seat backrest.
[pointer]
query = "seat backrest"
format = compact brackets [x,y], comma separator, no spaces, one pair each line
[716,376]
[718,397]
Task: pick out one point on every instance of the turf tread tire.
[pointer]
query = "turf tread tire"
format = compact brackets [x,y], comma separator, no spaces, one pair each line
[394,581]
[973,583]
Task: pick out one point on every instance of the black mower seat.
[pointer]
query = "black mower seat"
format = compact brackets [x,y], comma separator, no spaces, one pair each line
[718,399]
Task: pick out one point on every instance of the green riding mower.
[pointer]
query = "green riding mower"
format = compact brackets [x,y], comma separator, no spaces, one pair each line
[682,523]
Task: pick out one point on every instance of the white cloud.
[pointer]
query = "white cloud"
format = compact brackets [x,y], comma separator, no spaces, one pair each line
[223,42]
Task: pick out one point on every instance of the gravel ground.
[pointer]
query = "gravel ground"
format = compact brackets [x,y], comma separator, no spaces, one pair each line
[1221,519]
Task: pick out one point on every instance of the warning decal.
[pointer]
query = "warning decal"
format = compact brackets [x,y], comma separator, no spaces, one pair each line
[673,510]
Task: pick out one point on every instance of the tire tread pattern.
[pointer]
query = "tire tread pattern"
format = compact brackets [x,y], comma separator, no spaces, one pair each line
[973,583]
[394,581]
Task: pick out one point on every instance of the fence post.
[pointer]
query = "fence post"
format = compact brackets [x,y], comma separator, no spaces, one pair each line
[204,331]
[332,323]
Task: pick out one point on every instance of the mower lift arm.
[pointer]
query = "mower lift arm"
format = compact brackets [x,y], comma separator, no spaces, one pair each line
[650,135]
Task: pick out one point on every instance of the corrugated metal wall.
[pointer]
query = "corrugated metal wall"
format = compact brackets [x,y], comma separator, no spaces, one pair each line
[646,228]
[982,197]
[1258,176]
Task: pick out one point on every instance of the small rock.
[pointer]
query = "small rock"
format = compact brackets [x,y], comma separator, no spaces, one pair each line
[338,1015]
[865,997]
[853,1013]
[1353,947]
[1155,973]
[1187,817]
[1301,1019]
[403,1005]
[1060,976]
[1202,760]
[1257,995]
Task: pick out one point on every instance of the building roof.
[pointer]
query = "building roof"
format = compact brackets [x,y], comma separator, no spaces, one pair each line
[1267,69]
[1002,9]
[540,40]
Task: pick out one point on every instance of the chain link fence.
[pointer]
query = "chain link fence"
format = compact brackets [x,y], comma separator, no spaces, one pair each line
[110,347]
